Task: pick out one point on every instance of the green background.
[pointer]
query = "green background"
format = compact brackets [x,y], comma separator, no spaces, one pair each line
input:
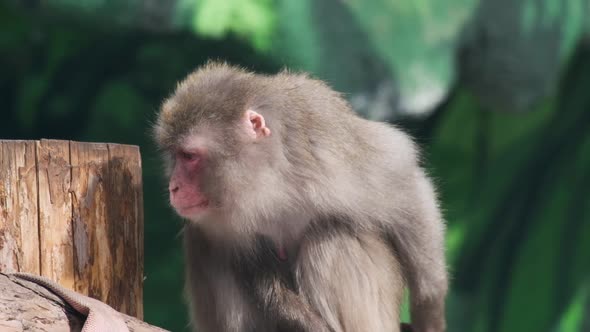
[495,91]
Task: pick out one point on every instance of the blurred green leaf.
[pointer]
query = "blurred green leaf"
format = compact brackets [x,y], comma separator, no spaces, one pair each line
[417,39]
[297,43]
[540,34]
[253,19]
[572,318]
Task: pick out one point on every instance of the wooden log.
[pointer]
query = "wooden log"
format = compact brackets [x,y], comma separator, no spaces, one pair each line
[73,212]
[26,306]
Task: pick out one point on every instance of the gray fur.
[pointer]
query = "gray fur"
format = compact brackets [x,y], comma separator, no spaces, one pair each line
[345,196]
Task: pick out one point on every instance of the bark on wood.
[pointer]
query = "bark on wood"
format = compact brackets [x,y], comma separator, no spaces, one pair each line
[73,212]
[26,306]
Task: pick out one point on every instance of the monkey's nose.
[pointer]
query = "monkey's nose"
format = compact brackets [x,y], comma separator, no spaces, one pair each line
[173,188]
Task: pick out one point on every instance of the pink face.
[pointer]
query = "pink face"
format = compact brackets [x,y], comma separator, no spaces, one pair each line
[184,187]
[190,160]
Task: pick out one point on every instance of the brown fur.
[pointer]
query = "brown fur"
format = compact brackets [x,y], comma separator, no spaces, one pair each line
[345,196]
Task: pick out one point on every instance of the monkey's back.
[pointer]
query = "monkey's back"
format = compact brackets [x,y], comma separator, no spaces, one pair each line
[360,162]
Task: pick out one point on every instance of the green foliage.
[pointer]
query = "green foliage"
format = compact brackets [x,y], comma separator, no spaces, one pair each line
[568,14]
[298,43]
[573,317]
[417,39]
[118,106]
[253,19]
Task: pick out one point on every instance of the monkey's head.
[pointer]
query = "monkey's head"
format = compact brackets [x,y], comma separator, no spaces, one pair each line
[217,136]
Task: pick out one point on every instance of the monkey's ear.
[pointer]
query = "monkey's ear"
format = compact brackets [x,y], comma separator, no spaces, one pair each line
[255,125]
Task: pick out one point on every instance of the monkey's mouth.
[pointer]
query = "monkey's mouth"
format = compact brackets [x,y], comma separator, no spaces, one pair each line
[191,210]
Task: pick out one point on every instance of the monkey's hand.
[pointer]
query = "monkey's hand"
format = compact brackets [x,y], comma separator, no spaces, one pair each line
[406,328]
[429,316]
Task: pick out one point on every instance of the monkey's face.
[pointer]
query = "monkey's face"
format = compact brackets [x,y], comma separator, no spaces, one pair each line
[184,186]
[211,131]
[208,169]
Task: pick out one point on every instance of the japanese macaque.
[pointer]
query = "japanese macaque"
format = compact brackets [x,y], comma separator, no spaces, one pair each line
[301,215]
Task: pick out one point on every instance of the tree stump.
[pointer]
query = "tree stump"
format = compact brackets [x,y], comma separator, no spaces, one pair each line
[73,212]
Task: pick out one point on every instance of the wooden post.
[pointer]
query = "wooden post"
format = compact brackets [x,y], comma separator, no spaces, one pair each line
[73,212]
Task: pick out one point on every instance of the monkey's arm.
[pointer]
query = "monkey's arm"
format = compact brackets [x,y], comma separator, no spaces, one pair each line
[419,243]
[351,277]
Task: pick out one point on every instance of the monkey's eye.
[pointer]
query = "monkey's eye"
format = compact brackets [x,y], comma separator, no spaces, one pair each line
[188,156]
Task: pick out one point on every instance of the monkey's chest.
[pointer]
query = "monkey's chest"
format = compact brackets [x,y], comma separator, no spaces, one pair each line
[235,311]
[240,292]
[230,306]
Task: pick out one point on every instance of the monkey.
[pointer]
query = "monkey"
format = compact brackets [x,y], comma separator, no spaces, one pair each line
[299,214]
